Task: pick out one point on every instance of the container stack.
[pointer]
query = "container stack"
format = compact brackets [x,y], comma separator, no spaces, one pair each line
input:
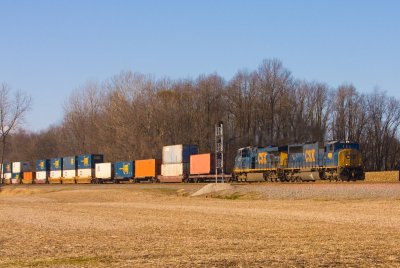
[86,167]
[18,168]
[7,173]
[69,169]
[42,171]
[176,162]
[124,171]
[147,170]
[56,165]
[104,172]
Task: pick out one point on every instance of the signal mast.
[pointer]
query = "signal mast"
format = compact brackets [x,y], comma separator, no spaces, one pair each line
[219,151]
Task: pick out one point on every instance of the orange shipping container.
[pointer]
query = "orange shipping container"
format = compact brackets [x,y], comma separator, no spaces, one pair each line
[147,168]
[27,177]
[201,164]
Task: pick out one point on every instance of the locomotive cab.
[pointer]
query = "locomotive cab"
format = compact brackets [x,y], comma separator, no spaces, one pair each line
[245,159]
[345,156]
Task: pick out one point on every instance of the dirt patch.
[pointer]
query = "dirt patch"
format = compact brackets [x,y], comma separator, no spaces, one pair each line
[18,191]
[213,188]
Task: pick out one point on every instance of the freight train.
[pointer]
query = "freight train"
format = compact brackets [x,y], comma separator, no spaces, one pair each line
[333,160]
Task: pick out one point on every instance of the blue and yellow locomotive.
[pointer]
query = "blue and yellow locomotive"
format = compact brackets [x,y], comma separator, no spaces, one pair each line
[333,160]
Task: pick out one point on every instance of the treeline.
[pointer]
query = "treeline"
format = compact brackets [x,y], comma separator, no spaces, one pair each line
[131,116]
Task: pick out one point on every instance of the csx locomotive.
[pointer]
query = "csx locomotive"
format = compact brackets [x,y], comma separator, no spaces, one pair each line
[331,160]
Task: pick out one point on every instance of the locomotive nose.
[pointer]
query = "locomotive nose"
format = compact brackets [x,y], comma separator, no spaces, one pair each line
[349,158]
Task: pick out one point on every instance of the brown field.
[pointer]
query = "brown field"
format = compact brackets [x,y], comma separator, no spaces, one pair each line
[382,176]
[257,225]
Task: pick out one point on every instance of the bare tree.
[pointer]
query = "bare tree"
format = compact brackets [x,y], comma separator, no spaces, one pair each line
[12,111]
[274,81]
[131,116]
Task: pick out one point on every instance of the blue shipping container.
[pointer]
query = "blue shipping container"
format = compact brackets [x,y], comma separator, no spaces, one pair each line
[124,169]
[43,165]
[7,167]
[89,160]
[188,150]
[56,164]
[69,163]
[16,176]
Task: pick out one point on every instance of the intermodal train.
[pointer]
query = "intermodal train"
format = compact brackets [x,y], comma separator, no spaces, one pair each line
[330,160]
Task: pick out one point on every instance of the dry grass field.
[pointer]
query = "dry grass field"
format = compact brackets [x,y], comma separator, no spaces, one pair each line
[257,225]
[382,176]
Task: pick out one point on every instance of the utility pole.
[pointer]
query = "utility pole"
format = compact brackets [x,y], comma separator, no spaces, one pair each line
[219,151]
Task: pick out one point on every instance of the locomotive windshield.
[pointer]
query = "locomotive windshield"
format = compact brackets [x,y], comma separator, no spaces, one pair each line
[346,146]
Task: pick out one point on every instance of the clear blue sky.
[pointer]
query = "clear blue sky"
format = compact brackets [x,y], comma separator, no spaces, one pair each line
[50,48]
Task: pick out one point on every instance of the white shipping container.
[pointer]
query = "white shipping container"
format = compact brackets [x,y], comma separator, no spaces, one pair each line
[55,174]
[85,173]
[18,167]
[172,154]
[41,175]
[7,176]
[180,153]
[103,171]
[174,169]
[69,174]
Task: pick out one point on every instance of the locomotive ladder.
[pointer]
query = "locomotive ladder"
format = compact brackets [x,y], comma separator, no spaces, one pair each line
[219,152]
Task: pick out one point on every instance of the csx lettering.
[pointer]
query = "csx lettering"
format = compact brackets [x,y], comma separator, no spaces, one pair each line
[262,158]
[309,155]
